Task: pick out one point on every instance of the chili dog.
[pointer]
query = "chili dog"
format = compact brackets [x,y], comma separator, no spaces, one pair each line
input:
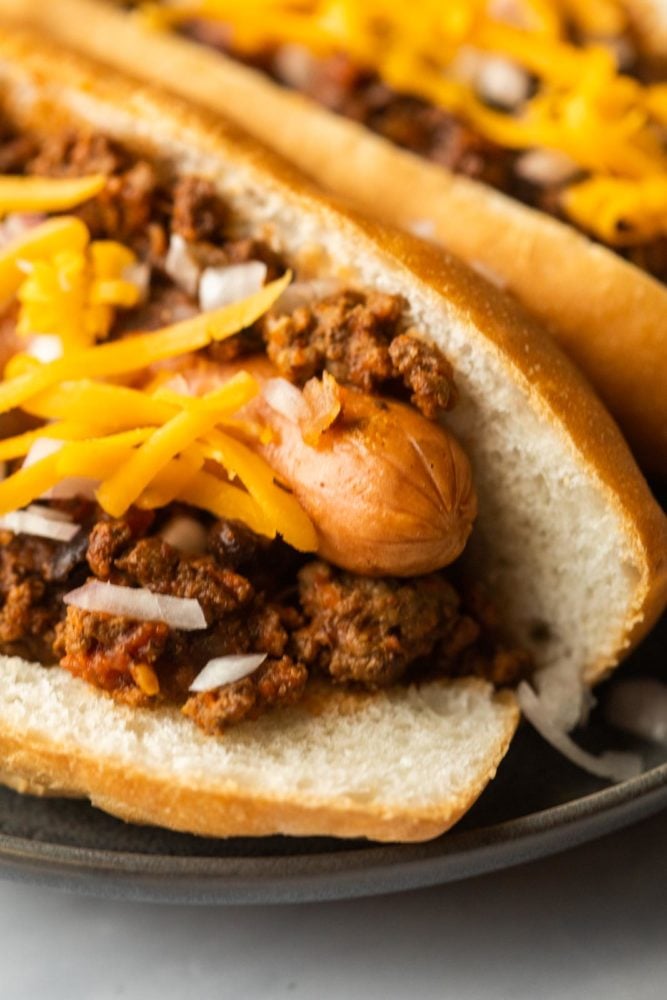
[253,431]
[524,137]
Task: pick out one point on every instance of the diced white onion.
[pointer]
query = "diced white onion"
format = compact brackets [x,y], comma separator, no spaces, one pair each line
[139,275]
[285,399]
[16,224]
[639,706]
[45,347]
[141,604]
[185,534]
[225,670]
[220,286]
[41,448]
[502,82]
[615,766]
[545,167]
[303,293]
[27,522]
[52,513]
[72,487]
[181,265]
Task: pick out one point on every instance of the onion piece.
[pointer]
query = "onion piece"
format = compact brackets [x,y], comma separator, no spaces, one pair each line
[139,275]
[28,522]
[225,670]
[72,487]
[41,448]
[141,604]
[639,706]
[221,286]
[45,347]
[501,81]
[185,534]
[616,766]
[323,399]
[16,224]
[285,399]
[181,265]
[49,512]
[545,167]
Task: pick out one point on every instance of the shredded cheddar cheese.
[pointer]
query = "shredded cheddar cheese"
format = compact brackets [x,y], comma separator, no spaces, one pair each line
[144,446]
[259,480]
[17,447]
[582,106]
[60,235]
[211,493]
[73,294]
[142,350]
[47,194]
[170,482]
[127,482]
[614,201]
[29,483]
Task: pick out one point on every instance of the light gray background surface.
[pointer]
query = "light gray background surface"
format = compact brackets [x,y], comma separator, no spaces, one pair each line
[590,923]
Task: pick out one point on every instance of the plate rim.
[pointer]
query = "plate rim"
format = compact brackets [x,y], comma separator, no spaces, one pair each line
[341,874]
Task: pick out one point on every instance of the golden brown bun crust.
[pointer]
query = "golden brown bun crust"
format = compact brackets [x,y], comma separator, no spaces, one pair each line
[609,316]
[48,87]
[49,767]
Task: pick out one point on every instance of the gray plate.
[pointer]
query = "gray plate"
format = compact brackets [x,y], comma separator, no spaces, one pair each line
[538,804]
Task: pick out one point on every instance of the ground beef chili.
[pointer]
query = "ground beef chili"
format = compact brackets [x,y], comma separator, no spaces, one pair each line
[310,621]
[357,337]
[258,596]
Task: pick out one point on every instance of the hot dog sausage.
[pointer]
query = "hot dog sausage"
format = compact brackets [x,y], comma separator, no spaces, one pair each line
[389,492]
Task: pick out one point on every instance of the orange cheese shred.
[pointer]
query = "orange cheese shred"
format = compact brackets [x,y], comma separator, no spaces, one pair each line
[17,447]
[170,482]
[149,448]
[227,502]
[39,243]
[122,488]
[28,483]
[142,350]
[287,515]
[47,194]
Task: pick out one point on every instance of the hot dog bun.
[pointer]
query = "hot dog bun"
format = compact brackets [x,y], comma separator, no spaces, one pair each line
[568,537]
[650,21]
[402,765]
[608,315]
